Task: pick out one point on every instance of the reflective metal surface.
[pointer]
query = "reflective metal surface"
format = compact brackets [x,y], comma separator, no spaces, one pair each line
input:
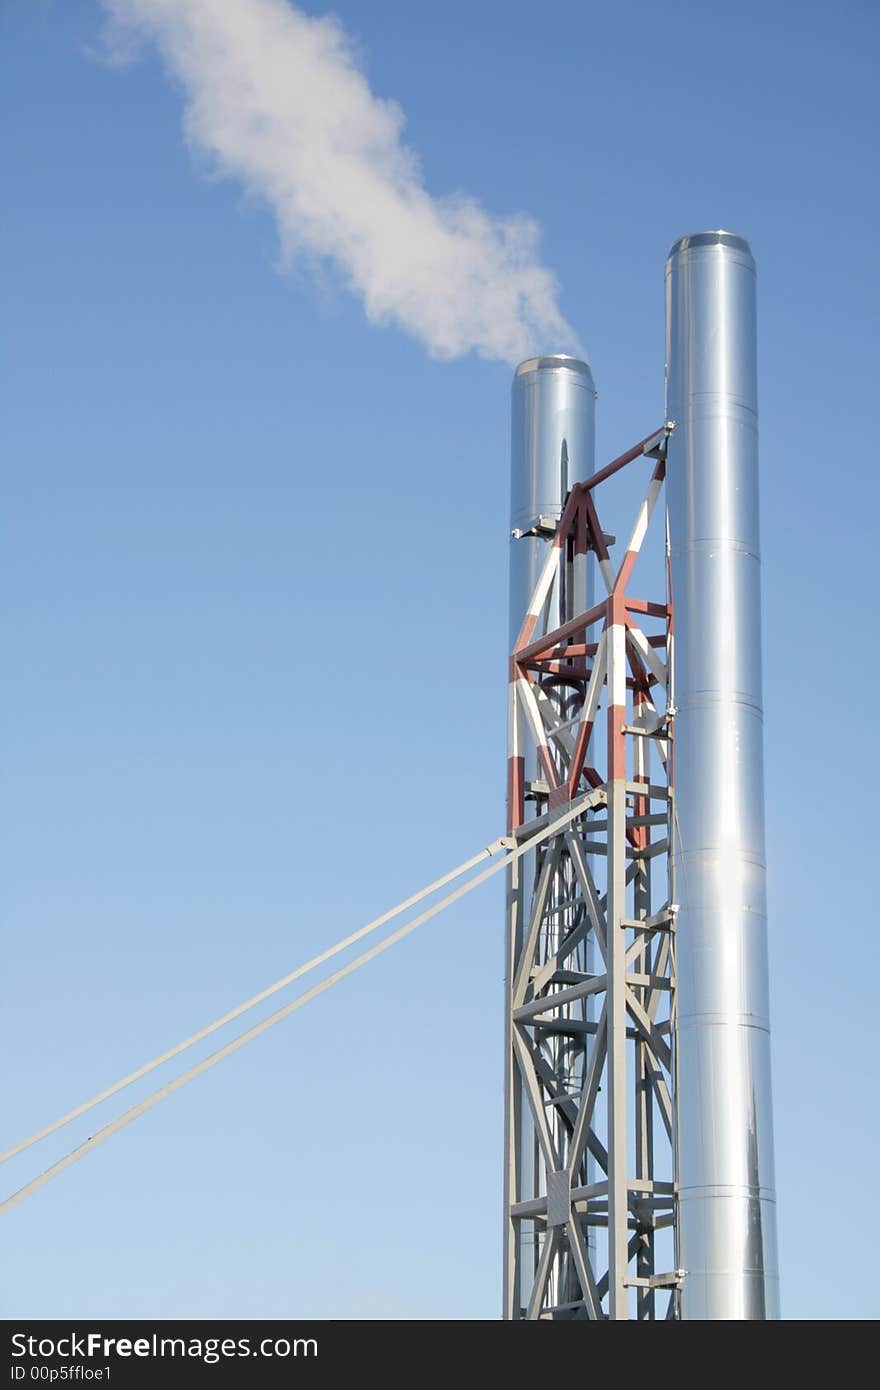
[727,1204]
[552,447]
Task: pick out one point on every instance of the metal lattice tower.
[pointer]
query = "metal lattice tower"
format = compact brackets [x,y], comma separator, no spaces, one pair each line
[591,931]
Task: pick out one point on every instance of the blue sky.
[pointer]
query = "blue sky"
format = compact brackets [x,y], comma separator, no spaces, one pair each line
[254,568]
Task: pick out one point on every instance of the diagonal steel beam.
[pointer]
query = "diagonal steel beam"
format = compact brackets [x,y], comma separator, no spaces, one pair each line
[536,1101]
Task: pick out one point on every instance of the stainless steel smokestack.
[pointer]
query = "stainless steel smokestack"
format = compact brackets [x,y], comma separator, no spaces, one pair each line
[727,1201]
[552,447]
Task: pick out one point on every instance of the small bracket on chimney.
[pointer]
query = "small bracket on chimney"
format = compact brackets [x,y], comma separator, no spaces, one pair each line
[543,526]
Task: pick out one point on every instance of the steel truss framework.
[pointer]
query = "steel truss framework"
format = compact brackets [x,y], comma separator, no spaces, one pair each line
[591,1097]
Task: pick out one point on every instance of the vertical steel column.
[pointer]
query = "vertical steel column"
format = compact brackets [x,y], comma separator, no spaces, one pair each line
[727,1200]
[644,1109]
[615,951]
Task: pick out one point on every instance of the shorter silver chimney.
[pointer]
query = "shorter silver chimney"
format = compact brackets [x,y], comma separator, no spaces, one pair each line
[552,448]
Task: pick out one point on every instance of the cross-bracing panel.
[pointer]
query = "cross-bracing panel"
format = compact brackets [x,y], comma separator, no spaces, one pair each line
[590,1197]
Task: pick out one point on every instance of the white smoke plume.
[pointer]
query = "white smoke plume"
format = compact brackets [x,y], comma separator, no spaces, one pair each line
[275,99]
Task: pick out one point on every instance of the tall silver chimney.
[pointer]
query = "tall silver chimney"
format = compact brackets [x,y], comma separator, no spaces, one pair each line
[725,1151]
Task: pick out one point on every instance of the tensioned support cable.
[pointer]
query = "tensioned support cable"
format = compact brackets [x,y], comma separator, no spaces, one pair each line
[254,1000]
[113,1126]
